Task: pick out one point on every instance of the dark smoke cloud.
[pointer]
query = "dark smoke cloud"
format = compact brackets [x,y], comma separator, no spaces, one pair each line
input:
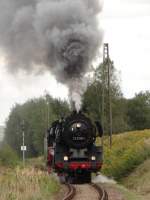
[57,35]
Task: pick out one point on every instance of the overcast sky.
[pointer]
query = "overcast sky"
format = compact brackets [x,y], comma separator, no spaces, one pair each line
[126,25]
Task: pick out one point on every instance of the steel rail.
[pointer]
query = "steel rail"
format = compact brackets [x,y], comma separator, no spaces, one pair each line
[71,192]
[102,193]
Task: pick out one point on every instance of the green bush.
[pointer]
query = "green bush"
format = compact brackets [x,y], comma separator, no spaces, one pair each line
[8,157]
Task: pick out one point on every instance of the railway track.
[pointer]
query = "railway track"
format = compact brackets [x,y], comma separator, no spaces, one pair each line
[102,193]
[72,192]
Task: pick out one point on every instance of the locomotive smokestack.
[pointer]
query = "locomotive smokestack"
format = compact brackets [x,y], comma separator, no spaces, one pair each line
[73,107]
[61,36]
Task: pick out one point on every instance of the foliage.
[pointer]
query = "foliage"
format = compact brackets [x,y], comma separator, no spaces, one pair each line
[139,111]
[8,157]
[127,114]
[97,92]
[37,115]
[128,151]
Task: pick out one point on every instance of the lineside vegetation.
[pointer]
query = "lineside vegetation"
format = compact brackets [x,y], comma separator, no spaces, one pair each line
[26,184]
[128,151]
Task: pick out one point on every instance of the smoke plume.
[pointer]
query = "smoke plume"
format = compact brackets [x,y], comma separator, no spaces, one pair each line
[57,35]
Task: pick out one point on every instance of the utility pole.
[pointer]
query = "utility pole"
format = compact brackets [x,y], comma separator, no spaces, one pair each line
[23,147]
[107,63]
[47,124]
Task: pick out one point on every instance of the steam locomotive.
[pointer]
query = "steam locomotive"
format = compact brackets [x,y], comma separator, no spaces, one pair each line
[72,152]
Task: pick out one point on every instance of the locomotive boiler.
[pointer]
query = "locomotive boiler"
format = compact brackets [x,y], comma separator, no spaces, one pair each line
[72,152]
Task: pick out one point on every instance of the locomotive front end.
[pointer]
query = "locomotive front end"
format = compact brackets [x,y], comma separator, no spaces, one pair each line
[75,152]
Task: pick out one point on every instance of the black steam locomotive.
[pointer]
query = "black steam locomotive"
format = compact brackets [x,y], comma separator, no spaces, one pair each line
[72,152]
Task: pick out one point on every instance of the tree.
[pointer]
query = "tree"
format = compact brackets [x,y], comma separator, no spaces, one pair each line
[34,114]
[93,98]
[139,111]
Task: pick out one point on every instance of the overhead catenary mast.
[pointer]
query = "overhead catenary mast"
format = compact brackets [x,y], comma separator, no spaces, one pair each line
[107,68]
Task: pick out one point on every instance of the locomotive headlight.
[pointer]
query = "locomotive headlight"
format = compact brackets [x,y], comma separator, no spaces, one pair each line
[93,158]
[78,125]
[65,158]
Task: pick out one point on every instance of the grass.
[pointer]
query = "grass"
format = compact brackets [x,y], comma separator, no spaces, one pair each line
[128,195]
[139,180]
[26,184]
[128,151]
[120,192]
[37,163]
